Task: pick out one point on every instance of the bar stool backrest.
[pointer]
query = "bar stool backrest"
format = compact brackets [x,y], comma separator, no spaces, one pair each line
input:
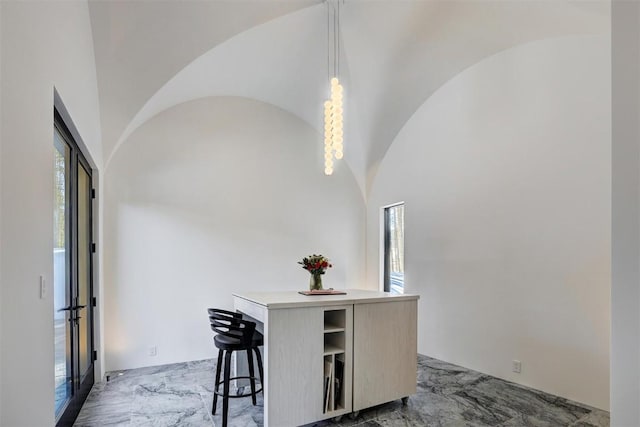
[232,325]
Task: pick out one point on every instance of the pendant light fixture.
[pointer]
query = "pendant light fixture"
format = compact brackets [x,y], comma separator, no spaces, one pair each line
[333,125]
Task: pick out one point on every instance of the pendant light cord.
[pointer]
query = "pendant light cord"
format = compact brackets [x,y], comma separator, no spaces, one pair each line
[337,31]
[335,40]
[328,45]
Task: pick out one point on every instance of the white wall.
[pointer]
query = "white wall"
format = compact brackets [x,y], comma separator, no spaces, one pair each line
[625,287]
[505,172]
[211,197]
[44,45]
[1,246]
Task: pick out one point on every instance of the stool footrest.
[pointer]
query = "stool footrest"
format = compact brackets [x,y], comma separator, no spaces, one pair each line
[221,393]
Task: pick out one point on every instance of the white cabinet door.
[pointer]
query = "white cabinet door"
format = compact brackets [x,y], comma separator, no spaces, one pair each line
[384,352]
[293,356]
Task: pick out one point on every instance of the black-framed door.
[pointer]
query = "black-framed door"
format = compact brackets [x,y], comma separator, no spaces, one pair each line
[73,274]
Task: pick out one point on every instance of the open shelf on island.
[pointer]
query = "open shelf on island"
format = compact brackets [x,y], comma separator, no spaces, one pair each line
[334,319]
[335,323]
[331,349]
[333,394]
[334,340]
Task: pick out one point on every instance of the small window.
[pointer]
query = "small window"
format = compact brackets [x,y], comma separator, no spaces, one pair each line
[393,236]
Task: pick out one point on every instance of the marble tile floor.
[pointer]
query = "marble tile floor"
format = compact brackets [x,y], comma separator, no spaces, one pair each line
[447,395]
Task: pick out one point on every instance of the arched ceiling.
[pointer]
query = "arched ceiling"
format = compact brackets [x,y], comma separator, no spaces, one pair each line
[394,55]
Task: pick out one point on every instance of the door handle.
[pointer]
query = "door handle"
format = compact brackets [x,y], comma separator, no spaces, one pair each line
[69,308]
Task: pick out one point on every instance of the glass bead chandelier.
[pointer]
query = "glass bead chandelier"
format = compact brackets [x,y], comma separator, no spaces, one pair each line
[333,125]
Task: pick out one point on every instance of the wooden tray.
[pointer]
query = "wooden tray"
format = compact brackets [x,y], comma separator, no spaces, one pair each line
[330,291]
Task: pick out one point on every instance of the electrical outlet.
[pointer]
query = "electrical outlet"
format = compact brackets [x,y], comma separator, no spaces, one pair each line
[516,366]
[153,351]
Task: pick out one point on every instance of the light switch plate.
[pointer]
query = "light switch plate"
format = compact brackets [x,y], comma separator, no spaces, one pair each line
[43,287]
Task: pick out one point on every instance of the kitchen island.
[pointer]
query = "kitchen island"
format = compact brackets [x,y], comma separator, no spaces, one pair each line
[330,355]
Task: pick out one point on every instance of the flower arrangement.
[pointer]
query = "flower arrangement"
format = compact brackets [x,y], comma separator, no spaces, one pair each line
[315,264]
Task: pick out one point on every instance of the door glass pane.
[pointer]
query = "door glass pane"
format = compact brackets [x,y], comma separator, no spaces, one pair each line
[61,276]
[84,269]
[394,249]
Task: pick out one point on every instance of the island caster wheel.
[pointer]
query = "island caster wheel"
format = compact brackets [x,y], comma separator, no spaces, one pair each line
[354,415]
[405,400]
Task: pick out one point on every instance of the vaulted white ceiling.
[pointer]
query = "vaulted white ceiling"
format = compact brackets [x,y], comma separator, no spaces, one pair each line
[151,55]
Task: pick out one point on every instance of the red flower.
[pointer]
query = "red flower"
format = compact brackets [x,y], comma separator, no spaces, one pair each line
[315,264]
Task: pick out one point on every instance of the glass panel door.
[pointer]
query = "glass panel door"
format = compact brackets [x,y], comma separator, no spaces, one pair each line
[73,298]
[83,315]
[61,274]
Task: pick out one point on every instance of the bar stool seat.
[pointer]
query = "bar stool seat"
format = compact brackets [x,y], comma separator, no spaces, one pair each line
[233,333]
[234,343]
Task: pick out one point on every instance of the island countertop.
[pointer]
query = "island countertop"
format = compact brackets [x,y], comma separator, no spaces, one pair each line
[292,299]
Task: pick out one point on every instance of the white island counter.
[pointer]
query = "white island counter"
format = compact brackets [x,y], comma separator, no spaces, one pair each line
[330,355]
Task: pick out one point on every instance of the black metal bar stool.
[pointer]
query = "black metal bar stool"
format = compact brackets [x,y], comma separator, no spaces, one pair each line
[233,333]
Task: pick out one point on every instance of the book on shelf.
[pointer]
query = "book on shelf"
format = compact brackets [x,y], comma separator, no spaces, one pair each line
[339,380]
[328,380]
[326,394]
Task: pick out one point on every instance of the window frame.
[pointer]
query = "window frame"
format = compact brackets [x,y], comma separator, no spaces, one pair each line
[384,243]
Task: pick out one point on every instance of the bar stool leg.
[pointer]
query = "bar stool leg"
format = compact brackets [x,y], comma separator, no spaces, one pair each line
[252,380]
[260,370]
[215,388]
[225,397]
